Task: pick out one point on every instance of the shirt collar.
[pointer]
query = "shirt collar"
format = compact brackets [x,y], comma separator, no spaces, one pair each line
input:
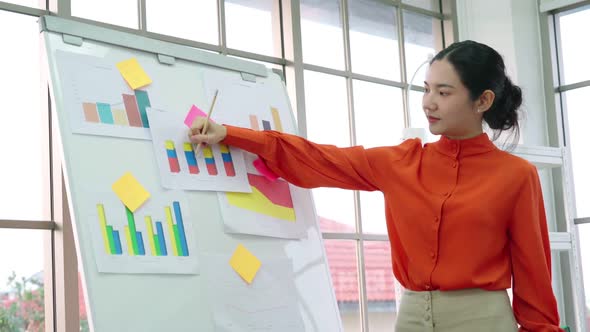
[464,147]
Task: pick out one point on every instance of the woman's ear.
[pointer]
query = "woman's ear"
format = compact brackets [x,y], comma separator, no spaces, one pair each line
[485,100]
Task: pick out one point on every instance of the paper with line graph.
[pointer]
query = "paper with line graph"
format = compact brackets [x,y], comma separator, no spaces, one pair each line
[269,303]
[217,167]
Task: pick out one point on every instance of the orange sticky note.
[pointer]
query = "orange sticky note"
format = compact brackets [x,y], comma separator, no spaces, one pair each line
[245,263]
[130,191]
[133,73]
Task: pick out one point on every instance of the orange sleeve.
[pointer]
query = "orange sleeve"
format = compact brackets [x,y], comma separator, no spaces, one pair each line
[534,304]
[310,165]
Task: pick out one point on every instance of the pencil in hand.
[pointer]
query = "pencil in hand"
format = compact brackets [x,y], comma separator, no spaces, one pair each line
[204,130]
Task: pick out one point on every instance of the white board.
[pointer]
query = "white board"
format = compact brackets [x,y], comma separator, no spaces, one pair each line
[134,286]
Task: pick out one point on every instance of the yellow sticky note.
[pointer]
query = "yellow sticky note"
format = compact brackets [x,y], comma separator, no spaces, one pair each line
[245,263]
[132,72]
[130,191]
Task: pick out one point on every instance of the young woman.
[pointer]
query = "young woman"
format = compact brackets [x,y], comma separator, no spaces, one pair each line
[466,220]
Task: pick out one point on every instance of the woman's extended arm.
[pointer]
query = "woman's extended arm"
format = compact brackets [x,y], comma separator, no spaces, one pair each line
[304,163]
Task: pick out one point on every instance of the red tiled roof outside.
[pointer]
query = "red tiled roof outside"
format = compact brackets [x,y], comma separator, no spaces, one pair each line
[81,302]
[341,256]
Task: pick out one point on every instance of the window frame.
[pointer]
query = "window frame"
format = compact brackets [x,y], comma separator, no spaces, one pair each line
[572,298]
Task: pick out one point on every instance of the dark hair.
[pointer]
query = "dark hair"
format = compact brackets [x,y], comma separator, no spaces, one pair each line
[481,68]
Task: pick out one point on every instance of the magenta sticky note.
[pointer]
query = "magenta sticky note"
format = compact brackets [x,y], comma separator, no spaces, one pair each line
[192,114]
[264,170]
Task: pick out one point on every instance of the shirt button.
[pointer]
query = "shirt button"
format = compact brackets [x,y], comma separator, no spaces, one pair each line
[427,286]
[432,254]
[454,165]
[446,194]
[436,219]
[427,318]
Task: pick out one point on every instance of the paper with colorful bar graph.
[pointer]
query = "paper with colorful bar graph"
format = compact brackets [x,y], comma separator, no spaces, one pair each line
[272,208]
[113,109]
[217,167]
[157,238]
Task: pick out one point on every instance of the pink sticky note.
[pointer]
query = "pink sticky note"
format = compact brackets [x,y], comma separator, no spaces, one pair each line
[264,170]
[192,114]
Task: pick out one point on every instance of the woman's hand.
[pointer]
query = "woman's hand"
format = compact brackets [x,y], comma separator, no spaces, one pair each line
[214,132]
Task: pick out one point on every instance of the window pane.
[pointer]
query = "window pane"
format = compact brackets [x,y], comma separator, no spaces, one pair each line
[378,114]
[194,20]
[379,121]
[326,109]
[336,208]
[252,26]
[422,38]
[22,306]
[28,3]
[25,167]
[343,268]
[321,33]
[266,64]
[327,123]
[574,29]
[373,39]
[578,117]
[432,5]
[380,285]
[373,212]
[584,236]
[118,12]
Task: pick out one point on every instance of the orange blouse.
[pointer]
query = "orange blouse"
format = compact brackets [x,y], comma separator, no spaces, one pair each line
[460,213]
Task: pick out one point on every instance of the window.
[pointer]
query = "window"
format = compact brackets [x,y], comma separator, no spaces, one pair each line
[573,88]
[374,43]
[253,26]
[354,96]
[23,175]
[28,3]
[194,20]
[117,12]
[321,33]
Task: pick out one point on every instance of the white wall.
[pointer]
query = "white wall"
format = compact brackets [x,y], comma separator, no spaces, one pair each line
[512,28]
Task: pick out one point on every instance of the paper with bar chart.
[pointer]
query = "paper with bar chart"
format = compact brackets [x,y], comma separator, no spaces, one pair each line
[156,238]
[98,99]
[269,303]
[272,208]
[217,167]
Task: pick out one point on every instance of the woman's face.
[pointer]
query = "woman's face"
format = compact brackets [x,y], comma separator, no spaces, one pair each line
[447,105]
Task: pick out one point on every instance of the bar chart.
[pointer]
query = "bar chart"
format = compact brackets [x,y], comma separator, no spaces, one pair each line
[113,109]
[208,158]
[215,167]
[132,112]
[272,207]
[157,238]
[257,124]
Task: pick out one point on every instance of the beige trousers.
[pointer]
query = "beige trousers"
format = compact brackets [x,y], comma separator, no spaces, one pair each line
[457,311]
